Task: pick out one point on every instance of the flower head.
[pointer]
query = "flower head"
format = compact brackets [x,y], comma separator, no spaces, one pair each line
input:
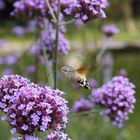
[18,31]
[84,9]
[48,40]
[31,107]
[82,105]
[10,60]
[29,8]
[78,9]
[122,72]
[117,99]
[110,30]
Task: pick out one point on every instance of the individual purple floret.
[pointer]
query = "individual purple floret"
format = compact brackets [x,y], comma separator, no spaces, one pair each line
[84,9]
[117,99]
[2,5]
[82,105]
[122,72]
[55,135]
[18,31]
[110,30]
[10,60]
[31,107]
[48,40]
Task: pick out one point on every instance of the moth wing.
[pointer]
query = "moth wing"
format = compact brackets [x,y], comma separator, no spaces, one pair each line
[83,72]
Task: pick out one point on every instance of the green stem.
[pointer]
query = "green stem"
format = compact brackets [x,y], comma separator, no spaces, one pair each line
[51,11]
[56,46]
[49,74]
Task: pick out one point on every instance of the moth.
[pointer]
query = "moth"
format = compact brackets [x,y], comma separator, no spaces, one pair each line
[76,75]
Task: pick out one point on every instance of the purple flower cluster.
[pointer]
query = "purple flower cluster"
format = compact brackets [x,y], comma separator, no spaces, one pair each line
[31,107]
[82,105]
[110,30]
[29,8]
[84,9]
[117,98]
[48,40]
[78,9]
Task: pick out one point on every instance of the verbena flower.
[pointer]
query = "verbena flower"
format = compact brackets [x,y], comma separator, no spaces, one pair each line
[33,8]
[10,60]
[82,105]
[84,9]
[78,9]
[18,31]
[54,135]
[26,8]
[31,107]
[122,72]
[48,40]
[8,85]
[2,5]
[110,30]
[117,99]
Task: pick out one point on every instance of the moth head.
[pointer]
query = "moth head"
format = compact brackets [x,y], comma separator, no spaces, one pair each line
[67,69]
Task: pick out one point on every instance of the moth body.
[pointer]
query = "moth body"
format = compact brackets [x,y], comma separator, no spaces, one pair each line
[73,74]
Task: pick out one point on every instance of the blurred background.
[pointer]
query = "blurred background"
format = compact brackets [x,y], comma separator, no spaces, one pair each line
[121,57]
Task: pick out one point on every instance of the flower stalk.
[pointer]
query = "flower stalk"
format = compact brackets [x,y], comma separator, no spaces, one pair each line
[49,74]
[56,45]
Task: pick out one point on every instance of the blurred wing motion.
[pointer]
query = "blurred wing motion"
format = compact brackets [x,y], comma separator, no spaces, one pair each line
[76,75]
